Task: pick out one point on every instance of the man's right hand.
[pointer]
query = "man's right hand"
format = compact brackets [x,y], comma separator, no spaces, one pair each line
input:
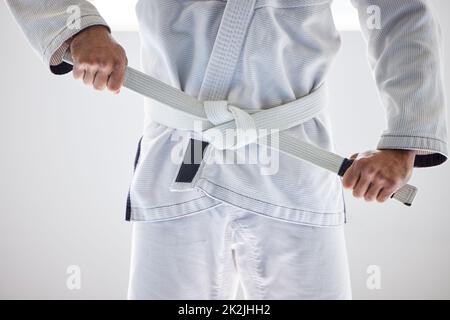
[98,59]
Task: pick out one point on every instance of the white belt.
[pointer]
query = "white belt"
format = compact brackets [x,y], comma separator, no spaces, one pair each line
[181,111]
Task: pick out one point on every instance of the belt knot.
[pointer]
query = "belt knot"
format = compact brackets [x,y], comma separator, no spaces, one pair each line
[220,112]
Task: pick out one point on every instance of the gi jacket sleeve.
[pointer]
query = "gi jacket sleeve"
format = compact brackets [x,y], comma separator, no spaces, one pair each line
[50,24]
[404,50]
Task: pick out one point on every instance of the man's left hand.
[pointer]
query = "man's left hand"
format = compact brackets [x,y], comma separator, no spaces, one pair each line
[376,175]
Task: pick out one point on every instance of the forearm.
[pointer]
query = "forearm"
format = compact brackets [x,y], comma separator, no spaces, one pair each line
[405,54]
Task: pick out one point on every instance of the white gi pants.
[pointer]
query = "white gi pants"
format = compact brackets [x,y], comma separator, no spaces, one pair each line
[205,256]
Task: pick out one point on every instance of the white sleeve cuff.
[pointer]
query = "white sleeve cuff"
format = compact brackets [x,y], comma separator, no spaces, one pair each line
[431,151]
[54,53]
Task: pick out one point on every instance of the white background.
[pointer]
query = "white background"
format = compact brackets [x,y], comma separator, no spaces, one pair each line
[66,157]
[121,15]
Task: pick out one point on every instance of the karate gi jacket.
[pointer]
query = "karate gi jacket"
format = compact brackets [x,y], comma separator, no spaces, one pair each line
[271,52]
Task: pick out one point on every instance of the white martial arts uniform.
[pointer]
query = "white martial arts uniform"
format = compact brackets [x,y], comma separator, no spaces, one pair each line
[206,255]
[258,54]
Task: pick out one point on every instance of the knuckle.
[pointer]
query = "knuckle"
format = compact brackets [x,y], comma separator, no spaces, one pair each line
[122,51]
[380,180]
[76,57]
[82,60]
[391,182]
[389,185]
[362,161]
[119,65]
[91,62]
[77,67]
[388,189]
[76,74]
[118,68]
[358,164]
[77,70]
[369,170]
[105,65]
[86,64]
[97,63]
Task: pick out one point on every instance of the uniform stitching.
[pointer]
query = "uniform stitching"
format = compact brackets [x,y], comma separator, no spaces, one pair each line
[256,272]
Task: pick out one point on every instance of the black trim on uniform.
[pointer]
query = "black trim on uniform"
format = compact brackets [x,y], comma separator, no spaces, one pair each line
[136,160]
[191,162]
[61,68]
[346,164]
[429,160]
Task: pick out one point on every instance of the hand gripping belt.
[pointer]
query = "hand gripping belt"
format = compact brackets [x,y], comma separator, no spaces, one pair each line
[179,110]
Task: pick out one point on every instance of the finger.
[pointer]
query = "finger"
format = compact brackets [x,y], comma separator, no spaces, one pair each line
[100,80]
[351,177]
[372,192]
[385,194]
[78,72]
[89,76]
[353,157]
[116,80]
[361,186]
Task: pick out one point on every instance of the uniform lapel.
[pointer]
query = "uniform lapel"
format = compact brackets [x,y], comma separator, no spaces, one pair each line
[227,49]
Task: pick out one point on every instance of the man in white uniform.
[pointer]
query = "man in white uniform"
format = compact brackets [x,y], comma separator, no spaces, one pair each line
[280,235]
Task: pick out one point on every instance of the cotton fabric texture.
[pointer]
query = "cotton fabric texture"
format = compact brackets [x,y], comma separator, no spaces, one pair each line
[271,52]
[208,255]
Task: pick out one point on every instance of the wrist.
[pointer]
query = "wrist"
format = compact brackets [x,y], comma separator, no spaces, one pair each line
[406,156]
[98,30]
[92,34]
